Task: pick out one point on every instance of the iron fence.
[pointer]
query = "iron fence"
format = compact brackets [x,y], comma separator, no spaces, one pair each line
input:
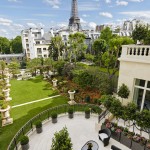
[46,115]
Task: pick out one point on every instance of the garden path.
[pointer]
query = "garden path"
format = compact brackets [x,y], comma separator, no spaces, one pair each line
[35,101]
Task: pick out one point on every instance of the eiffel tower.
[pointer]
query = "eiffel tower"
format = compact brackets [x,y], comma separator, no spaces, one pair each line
[74,21]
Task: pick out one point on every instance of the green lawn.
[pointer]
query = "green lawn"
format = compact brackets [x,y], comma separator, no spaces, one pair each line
[35,89]
[29,90]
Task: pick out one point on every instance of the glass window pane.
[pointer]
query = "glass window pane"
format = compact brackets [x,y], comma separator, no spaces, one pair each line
[147,100]
[138,95]
[148,84]
[140,82]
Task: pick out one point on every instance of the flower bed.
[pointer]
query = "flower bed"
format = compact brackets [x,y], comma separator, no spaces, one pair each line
[127,138]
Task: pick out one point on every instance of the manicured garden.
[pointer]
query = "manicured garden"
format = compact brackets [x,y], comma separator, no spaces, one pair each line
[22,92]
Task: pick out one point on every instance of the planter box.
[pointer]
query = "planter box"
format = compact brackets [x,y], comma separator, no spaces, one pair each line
[147,148]
[54,120]
[115,135]
[137,146]
[25,147]
[39,130]
[125,140]
[87,115]
[70,115]
[103,126]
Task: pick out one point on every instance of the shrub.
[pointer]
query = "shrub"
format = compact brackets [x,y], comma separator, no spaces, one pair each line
[61,140]
[38,124]
[87,110]
[70,110]
[24,140]
[54,115]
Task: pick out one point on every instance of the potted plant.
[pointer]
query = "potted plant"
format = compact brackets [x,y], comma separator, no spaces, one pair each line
[24,141]
[70,113]
[38,126]
[87,113]
[54,117]
[90,145]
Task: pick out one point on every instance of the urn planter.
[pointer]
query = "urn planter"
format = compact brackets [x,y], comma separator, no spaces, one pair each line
[71,96]
[54,82]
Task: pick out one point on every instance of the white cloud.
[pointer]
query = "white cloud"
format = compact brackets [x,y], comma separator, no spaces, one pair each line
[85,15]
[88,6]
[14,1]
[121,3]
[83,21]
[53,3]
[5,22]
[137,14]
[92,25]
[44,15]
[31,25]
[108,1]
[106,14]
[136,0]
[18,25]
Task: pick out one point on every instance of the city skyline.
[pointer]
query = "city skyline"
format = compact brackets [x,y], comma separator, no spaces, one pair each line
[16,15]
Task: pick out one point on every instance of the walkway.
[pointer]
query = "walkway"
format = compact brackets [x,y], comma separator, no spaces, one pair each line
[35,101]
[80,130]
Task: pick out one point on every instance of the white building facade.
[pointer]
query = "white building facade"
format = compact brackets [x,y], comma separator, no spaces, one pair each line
[35,43]
[135,73]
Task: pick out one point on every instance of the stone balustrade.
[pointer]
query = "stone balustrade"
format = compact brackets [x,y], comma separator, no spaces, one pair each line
[136,52]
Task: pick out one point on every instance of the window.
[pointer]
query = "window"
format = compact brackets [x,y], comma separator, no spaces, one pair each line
[142,94]
[45,56]
[39,50]
[26,40]
[37,42]
[44,49]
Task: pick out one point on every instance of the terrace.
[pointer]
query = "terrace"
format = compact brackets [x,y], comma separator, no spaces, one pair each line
[80,130]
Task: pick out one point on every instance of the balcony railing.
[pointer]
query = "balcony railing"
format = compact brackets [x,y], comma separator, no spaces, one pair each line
[136,52]
[45,115]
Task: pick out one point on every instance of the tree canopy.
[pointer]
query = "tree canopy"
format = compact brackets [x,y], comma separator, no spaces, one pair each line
[61,140]
[16,45]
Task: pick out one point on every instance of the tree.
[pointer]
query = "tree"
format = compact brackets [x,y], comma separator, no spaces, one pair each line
[147,39]
[33,65]
[110,57]
[47,64]
[89,57]
[14,67]
[99,47]
[123,91]
[106,34]
[16,45]
[76,45]
[56,47]
[61,140]
[2,67]
[140,32]
[4,45]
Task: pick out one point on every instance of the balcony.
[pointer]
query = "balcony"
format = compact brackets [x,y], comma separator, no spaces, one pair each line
[135,53]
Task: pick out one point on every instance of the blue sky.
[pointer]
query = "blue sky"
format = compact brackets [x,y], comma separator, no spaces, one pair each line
[16,15]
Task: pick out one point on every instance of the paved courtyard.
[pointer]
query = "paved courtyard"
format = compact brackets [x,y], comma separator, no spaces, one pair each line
[80,130]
